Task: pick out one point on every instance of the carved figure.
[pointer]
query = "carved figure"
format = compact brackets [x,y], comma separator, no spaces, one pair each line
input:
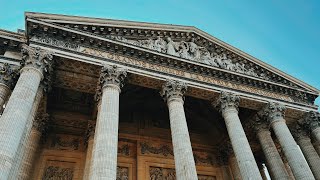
[171,47]
[195,50]
[184,48]
[160,45]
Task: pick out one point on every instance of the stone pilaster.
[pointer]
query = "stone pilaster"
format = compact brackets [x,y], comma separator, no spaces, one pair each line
[172,92]
[303,139]
[8,77]
[273,113]
[89,142]
[105,146]
[37,63]
[275,165]
[228,105]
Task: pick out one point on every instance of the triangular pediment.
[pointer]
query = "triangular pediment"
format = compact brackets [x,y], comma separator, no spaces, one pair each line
[183,42]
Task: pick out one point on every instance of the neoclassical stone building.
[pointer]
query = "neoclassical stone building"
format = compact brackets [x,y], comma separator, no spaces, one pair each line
[87,98]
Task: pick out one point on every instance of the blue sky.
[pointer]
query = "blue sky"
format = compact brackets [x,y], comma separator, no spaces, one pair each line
[285,34]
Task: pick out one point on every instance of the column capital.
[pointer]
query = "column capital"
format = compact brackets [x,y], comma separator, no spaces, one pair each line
[311,120]
[173,89]
[40,122]
[110,76]
[227,100]
[38,59]
[8,74]
[272,112]
[298,132]
[258,124]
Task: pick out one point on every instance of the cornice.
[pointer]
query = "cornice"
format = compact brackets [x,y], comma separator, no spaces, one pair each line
[155,29]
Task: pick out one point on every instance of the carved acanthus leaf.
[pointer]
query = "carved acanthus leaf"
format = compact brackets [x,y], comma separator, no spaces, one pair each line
[110,75]
[37,58]
[8,74]
[298,131]
[173,89]
[272,112]
[227,100]
[311,120]
[122,173]
[258,124]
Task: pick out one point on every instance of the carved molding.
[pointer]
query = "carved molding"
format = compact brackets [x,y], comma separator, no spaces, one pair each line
[110,75]
[159,173]
[124,150]
[227,100]
[8,74]
[65,143]
[272,112]
[173,89]
[40,123]
[122,173]
[56,172]
[163,150]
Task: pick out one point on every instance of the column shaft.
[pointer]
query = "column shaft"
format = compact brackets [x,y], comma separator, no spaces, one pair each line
[183,156]
[15,117]
[316,134]
[105,146]
[291,150]
[311,155]
[316,145]
[17,172]
[87,166]
[274,162]
[240,145]
[234,167]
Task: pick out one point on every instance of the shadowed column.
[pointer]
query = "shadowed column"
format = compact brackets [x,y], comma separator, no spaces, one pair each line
[16,114]
[302,137]
[311,122]
[105,146]
[274,114]
[172,92]
[228,105]
[275,165]
[89,139]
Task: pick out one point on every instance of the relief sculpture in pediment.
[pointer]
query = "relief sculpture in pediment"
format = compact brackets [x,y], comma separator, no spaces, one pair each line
[191,51]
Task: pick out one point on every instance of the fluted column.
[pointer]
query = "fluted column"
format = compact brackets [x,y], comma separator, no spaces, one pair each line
[274,114]
[105,146]
[311,122]
[15,116]
[32,143]
[172,92]
[89,139]
[302,137]
[228,105]
[8,77]
[18,160]
[275,165]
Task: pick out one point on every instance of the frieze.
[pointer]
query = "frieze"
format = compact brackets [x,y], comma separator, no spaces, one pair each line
[55,42]
[163,150]
[55,172]
[191,51]
[65,143]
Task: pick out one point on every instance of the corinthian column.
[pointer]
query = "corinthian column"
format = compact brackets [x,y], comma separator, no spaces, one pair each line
[304,142]
[311,122]
[274,114]
[8,75]
[32,143]
[228,105]
[105,146]
[172,92]
[16,114]
[89,140]
[275,165]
